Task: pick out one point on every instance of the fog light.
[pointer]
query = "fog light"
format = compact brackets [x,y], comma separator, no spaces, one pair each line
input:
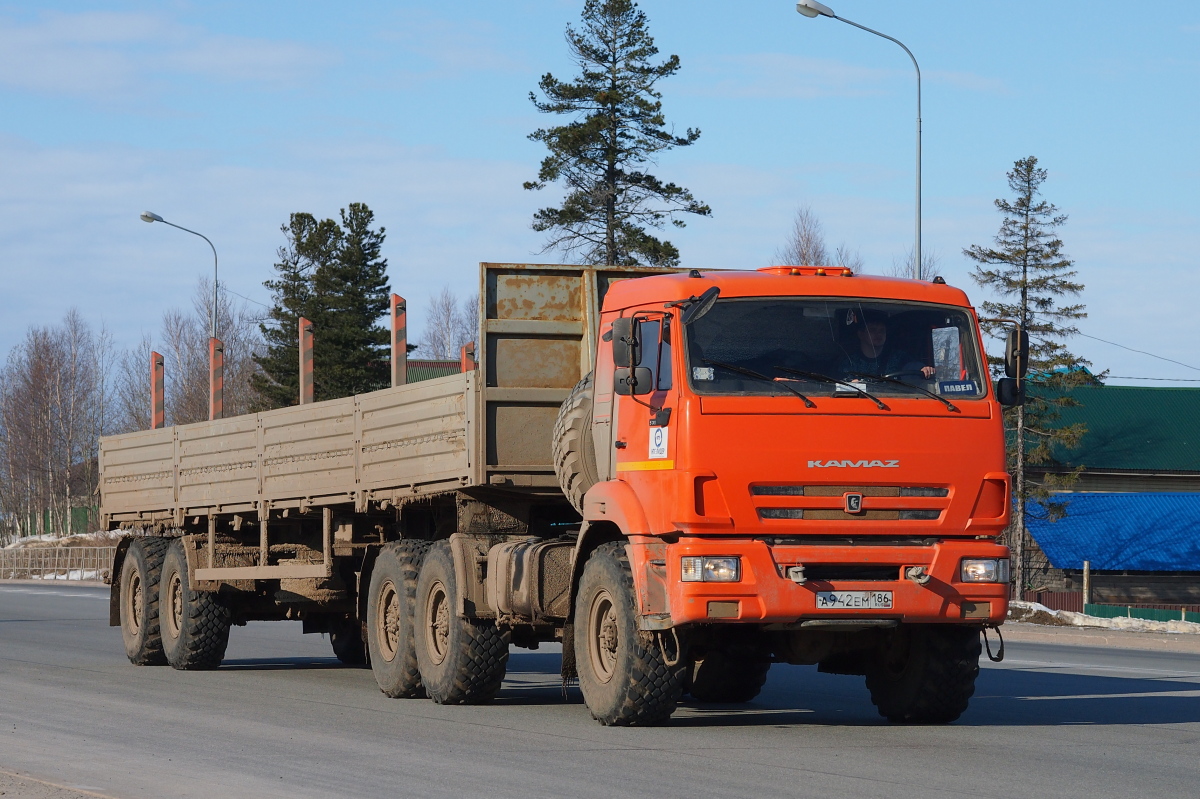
[984,570]
[711,570]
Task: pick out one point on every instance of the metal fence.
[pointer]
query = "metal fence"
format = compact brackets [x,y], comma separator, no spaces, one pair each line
[56,563]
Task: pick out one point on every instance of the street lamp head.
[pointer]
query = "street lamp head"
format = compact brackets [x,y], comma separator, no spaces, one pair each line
[812,9]
[150,216]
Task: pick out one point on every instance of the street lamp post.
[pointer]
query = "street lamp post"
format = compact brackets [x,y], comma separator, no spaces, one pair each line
[812,9]
[216,352]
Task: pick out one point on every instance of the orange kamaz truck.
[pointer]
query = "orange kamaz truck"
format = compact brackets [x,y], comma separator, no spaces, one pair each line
[681,476]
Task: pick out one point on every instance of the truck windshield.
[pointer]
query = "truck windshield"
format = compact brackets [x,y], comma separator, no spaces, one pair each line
[835,347]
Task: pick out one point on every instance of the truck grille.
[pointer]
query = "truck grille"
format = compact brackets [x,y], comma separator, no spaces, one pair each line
[824,502]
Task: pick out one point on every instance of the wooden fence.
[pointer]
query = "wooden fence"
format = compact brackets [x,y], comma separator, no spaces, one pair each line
[56,563]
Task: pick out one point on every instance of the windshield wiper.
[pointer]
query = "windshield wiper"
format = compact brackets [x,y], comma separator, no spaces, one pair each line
[759,376]
[949,405]
[835,381]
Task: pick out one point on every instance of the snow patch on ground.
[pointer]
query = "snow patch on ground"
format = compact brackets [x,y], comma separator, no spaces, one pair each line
[1036,613]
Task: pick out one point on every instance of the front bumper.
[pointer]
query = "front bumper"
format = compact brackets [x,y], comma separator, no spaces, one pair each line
[765,594]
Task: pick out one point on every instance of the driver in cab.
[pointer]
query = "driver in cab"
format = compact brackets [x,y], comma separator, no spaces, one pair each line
[872,355]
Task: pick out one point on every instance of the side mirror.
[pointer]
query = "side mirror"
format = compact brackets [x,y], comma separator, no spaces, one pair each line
[1010,391]
[627,350]
[701,306]
[1016,353]
[635,381]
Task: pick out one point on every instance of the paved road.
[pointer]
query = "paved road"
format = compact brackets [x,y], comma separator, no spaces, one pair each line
[282,718]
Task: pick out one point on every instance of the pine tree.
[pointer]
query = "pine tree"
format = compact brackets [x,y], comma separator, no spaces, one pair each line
[351,296]
[334,276]
[602,155]
[1030,274]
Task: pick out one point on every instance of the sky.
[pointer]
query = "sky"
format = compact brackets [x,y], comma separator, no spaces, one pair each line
[226,117]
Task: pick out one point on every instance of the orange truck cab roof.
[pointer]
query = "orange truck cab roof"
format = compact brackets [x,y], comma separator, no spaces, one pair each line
[827,281]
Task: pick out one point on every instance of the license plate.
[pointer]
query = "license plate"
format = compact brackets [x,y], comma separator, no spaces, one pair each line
[866,600]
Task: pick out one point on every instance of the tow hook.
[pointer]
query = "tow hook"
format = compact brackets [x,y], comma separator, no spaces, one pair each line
[796,574]
[917,574]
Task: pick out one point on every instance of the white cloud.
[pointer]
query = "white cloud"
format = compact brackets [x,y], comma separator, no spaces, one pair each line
[103,55]
[70,234]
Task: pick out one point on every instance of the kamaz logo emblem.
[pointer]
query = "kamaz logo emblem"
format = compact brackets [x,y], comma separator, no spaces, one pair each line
[854,503]
[854,464]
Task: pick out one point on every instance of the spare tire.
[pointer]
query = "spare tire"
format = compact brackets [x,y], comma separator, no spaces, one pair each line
[574,448]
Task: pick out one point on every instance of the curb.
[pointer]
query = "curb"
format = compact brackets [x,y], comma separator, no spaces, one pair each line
[1101,637]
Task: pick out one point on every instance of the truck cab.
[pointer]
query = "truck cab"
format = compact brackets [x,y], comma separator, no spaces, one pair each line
[807,464]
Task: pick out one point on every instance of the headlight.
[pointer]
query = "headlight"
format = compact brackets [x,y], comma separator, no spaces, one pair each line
[984,570]
[711,570]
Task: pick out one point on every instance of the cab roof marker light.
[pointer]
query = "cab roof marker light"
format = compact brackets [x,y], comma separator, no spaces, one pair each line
[846,272]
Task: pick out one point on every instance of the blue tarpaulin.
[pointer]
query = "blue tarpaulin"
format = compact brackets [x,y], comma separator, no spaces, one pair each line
[1119,532]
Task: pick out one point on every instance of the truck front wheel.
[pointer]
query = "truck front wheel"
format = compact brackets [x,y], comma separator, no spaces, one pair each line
[140,575]
[462,661]
[390,601]
[194,625]
[926,675]
[623,675]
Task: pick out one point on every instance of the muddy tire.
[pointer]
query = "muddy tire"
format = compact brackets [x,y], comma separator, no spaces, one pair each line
[193,624]
[721,677]
[347,642]
[461,661]
[573,447]
[141,572]
[928,674]
[622,673]
[390,601]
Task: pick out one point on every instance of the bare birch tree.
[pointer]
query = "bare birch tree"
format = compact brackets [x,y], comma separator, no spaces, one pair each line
[449,324]
[805,245]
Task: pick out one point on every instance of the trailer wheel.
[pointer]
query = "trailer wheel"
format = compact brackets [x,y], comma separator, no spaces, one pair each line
[347,642]
[194,625]
[927,675]
[622,673]
[574,449]
[462,661]
[721,677]
[390,601]
[140,575]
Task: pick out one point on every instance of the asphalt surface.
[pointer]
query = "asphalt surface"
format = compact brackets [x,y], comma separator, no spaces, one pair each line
[282,718]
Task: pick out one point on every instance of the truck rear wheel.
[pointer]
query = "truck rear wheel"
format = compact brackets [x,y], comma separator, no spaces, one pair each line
[390,600]
[140,575]
[927,675]
[194,625]
[722,677]
[462,661]
[574,449]
[622,673]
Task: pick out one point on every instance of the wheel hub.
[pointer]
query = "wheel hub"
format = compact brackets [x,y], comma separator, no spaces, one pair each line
[390,605]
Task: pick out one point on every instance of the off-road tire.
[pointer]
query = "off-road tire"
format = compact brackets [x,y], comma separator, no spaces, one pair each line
[573,447]
[722,677]
[140,575]
[390,601]
[346,640]
[622,672]
[194,624]
[461,661]
[928,675]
